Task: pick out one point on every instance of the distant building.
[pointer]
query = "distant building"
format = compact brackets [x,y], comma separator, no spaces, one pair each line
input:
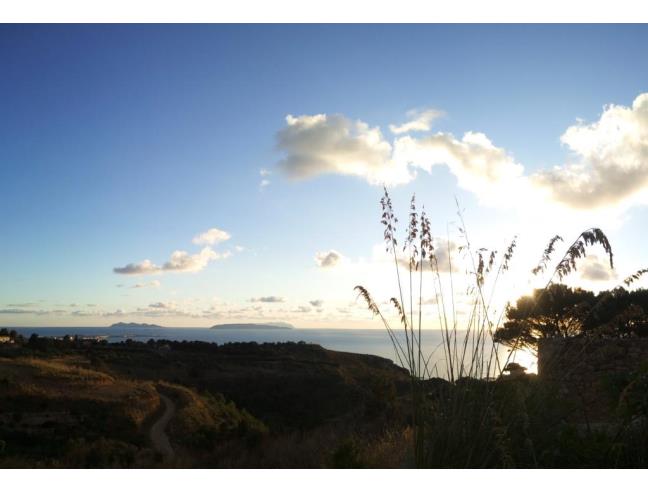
[5,339]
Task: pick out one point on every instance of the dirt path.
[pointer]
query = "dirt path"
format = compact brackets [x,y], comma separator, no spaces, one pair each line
[158,435]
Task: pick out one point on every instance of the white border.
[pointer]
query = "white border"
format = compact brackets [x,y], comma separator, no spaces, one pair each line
[323,11]
[320,11]
[319,480]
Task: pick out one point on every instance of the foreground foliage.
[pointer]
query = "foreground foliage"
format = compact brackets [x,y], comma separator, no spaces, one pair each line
[484,413]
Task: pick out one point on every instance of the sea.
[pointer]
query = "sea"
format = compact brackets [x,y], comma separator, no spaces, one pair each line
[360,341]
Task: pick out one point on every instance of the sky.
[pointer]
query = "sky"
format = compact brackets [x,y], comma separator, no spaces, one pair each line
[188,175]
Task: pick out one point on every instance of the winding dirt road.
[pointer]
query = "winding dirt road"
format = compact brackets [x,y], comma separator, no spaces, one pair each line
[158,435]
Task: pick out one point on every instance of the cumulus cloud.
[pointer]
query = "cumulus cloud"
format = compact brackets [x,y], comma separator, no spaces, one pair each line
[145,267]
[608,165]
[328,259]
[611,159]
[268,299]
[211,236]
[596,269]
[419,121]
[478,164]
[334,144]
[180,261]
[316,303]
[446,253]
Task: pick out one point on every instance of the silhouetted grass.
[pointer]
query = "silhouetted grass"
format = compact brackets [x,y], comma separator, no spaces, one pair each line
[466,418]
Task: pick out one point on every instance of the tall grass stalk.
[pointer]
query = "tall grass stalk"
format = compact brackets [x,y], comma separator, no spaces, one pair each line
[456,422]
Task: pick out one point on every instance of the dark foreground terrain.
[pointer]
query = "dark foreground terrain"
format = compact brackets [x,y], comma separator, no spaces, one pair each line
[86,403]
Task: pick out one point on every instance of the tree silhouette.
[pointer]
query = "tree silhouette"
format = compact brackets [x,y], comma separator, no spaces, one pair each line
[558,311]
[619,313]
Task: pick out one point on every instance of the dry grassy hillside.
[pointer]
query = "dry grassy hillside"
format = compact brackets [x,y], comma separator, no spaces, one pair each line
[56,410]
[75,403]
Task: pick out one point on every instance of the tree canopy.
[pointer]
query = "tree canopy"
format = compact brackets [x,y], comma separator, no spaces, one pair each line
[561,311]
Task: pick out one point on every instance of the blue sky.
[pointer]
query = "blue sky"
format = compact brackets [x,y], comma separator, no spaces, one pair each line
[122,143]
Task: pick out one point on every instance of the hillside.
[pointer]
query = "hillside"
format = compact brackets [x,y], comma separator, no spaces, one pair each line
[78,403]
[57,412]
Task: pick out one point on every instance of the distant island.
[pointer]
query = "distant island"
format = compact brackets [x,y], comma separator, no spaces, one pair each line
[253,326]
[226,326]
[133,325]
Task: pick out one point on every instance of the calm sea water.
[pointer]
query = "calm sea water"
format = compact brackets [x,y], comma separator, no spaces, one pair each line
[374,342]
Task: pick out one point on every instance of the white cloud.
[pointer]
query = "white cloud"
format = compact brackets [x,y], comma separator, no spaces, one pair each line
[611,160]
[446,251]
[328,259]
[333,144]
[264,183]
[211,236]
[145,267]
[316,303]
[596,269]
[447,254]
[419,121]
[270,299]
[180,261]
[608,165]
[478,164]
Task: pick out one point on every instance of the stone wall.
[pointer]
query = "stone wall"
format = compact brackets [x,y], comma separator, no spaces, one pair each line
[592,372]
